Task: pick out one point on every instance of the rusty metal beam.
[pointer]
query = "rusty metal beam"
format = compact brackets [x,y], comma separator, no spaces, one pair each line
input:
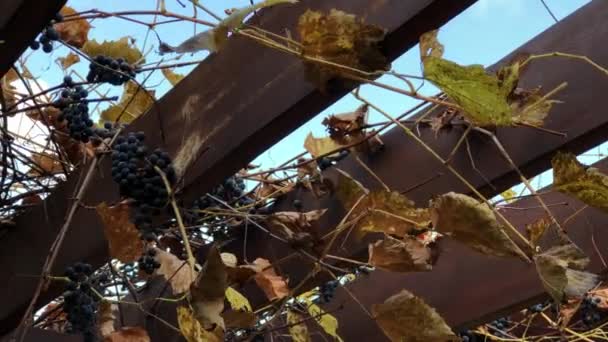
[229,108]
[37,335]
[20,22]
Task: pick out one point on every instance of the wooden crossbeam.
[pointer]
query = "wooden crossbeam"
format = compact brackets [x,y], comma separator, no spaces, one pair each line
[232,107]
[20,22]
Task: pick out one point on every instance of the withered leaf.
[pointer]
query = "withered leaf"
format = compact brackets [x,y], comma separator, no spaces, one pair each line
[121,48]
[68,60]
[430,45]
[273,285]
[405,317]
[321,146]
[600,294]
[134,102]
[297,328]
[272,189]
[343,39]
[172,77]
[75,31]
[586,184]
[348,190]
[192,330]
[290,222]
[45,164]
[472,223]
[536,229]
[560,269]
[229,259]
[175,270]
[122,235]
[239,319]
[326,321]
[390,212]
[237,300]
[128,334]
[105,318]
[567,310]
[347,128]
[407,255]
[208,291]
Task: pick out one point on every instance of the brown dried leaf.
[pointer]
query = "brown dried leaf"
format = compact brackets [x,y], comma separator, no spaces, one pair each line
[239,319]
[46,164]
[122,235]
[320,146]
[68,60]
[536,229]
[172,77]
[407,255]
[600,293]
[561,272]
[49,115]
[175,270]
[8,90]
[192,330]
[297,328]
[343,39]
[229,259]
[405,317]
[121,48]
[472,223]
[105,318]
[567,310]
[273,285]
[128,334]
[134,102]
[347,128]
[73,32]
[269,189]
[208,291]
[291,222]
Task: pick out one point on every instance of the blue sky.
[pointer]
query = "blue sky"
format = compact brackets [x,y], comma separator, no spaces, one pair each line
[482,34]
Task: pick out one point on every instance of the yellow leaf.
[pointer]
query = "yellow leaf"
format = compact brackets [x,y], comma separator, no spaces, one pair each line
[407,255]
[508,195]
[297,329]
[405,317]
[320,146]
[115,48]
[587,184]
[193,331]
[171,76]
[128,334]
[73,32]
[343,39]
[328,322]
[561,272]
[122,235]
[237,300]
[134,102]
[174,270]
[536,229]
[68,60]
[209,289]
[472,223]
[46,164]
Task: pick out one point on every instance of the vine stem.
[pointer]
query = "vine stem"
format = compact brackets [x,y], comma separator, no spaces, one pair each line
[412,135]
[566,55]
[178,217]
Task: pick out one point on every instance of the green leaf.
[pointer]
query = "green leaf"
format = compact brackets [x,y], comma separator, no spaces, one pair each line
[297,329]
[586,184]
[237,300]
[561,271]
[114,48]
[472,223]
[405,317]
[134,102]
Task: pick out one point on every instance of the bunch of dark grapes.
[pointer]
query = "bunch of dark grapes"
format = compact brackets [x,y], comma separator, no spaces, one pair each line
[327,291]
[590,313]
[80,302]
[48,36]
[109,70]
[101,133]
[133,168]
[147,262]
[75,111]
[470,336]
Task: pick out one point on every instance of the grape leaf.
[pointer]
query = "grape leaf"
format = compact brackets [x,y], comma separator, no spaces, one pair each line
[290,222]
[568,309]
[172,77]
[348,128]
[297,328]
[68,60]
[237,300]
[208,291]
[343,39]
[8,90]
[239,319]
[560,269]
[326,321]
[273,285]
[407,255]
[46,164]
[115,48]
[320,146]
[122,235]
[174,270]
[105,318]
[430,45]
[472,223]
[405,317]
[229,259]
[133,103]
[536,229]
[586,184]
[508,195]
[128,334]
[192,330]
[75,31]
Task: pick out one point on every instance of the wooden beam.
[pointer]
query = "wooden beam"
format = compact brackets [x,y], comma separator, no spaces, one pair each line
[228,110]
[20,22]
[38,335]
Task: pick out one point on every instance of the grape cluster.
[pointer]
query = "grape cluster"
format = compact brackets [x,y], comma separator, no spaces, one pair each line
[327,291]
[75,111]
[133,168]
[232,189]
[48,36]
[470,336]
[106,69]
[148,263]
[590,313]
[80,303]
